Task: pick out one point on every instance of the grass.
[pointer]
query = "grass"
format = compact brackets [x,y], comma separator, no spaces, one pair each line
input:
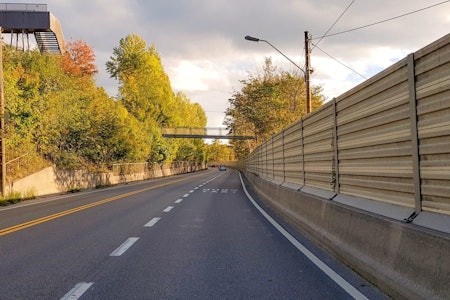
[16,197]
[74,189]
[12,198]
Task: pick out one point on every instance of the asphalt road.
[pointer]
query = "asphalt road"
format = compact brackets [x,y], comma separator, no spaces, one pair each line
[193,236]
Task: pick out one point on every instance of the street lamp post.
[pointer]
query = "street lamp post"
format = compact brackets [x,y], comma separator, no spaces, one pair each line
[306,72]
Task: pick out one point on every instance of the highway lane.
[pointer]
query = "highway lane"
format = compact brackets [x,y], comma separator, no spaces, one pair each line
[45,259]
[57,204]
[196,238]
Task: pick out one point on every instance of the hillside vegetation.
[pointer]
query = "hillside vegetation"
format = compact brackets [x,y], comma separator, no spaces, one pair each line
[268,101]
[56,114]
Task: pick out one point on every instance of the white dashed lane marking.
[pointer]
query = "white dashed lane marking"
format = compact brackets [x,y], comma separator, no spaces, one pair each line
[152,222]
[124,247]
[221,191]
[77,291]
[168,208]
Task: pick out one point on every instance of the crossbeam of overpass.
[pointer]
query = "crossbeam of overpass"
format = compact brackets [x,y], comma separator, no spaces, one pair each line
[203,133]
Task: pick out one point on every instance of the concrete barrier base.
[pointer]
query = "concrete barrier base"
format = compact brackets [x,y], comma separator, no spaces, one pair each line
[406,261]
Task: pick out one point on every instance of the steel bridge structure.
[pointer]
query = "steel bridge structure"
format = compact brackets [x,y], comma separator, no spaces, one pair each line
[203,133]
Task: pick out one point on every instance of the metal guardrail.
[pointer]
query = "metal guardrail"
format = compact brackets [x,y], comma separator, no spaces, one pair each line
[18,161]
[387,139]
[155,169]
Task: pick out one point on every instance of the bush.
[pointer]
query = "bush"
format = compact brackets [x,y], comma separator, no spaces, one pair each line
[12,198]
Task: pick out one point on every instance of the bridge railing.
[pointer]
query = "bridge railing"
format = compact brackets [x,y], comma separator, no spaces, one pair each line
[23,7]
[386,140]
[203,133]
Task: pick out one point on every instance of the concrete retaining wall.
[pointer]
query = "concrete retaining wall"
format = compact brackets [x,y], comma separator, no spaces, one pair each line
[53,181]
[405,260]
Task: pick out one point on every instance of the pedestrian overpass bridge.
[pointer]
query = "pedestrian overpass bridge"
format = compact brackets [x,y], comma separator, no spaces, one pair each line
[29,18]
[204,133]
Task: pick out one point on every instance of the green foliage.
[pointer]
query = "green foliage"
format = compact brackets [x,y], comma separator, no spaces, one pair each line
[53,116]
[12,198]
[144,86]
[146,93]
[218,152]
[266,103]
[16,197]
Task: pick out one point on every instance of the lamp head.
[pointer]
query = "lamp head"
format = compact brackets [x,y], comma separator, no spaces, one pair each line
[250,38]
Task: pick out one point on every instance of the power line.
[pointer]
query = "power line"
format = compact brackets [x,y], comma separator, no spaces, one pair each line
[302,60]
[383,21]
[340,62]
[334,23]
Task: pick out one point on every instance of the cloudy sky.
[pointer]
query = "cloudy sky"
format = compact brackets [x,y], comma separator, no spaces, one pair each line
[202,46]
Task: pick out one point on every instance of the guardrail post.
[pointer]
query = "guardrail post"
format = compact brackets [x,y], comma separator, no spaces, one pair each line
[414,133]
[273,160]
[303,153]
[258,164]
[266,163]
[335,175]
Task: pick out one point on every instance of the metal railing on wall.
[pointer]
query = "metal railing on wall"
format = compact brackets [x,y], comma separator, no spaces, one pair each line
[387,139]
[156,169]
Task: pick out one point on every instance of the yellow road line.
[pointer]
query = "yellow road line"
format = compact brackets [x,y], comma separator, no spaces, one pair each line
[35,222]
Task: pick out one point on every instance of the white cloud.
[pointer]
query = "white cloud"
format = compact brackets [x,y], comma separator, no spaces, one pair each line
[193,75]
[202,46]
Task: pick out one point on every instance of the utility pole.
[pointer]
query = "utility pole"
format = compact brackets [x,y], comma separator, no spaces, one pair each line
[2,123]
[307,71]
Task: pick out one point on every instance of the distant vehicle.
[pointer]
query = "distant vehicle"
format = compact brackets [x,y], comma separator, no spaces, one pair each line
[222,168]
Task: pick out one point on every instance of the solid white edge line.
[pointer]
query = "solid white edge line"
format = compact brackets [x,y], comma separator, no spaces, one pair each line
[351,290]
[77,291]
[152,222]
[168,208]
[124,247]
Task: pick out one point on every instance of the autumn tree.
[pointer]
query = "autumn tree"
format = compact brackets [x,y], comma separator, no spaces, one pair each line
[145,91]
[113,135]
[79,59]
[143,85]
[267,102]
[220,153]
[57,115]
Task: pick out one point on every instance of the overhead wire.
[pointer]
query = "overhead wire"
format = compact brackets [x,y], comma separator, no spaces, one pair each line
[334,23]
[362,27]
[341,62]
[382,21]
